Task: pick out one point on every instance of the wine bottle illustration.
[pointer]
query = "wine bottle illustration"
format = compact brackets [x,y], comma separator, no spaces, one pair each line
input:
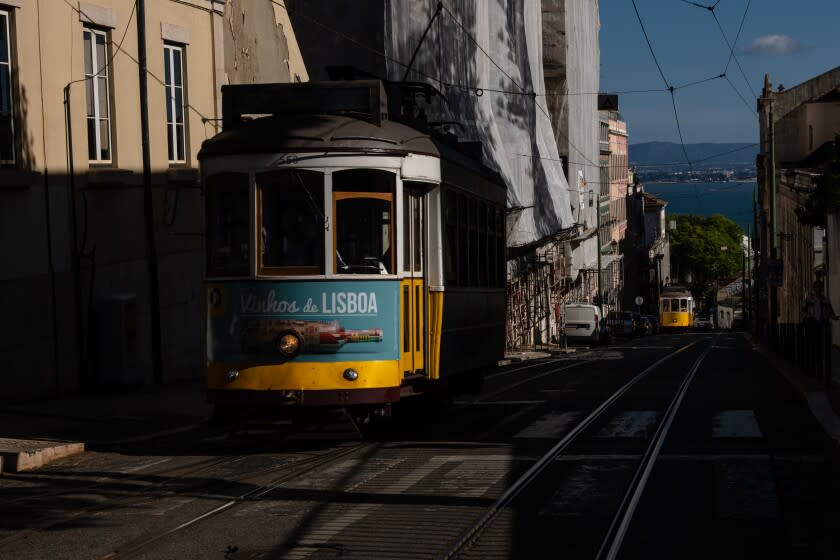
[318,337]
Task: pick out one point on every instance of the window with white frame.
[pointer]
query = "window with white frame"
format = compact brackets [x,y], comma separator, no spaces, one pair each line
[173,65]
[7,121]
[98,88]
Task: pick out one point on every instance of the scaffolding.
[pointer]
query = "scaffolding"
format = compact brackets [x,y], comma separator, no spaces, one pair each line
[539,285]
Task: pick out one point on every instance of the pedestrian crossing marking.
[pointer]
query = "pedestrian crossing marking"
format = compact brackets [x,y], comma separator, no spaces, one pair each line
[630,424]
[735,424]
[550,426]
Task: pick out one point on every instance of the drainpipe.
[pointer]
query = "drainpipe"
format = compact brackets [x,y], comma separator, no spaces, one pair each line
[773,237]
[81,365]
[148,202]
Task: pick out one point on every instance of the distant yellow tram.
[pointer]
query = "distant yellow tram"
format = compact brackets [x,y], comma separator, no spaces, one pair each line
[676,308]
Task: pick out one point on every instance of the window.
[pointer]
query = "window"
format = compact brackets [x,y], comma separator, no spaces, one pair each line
[363,209]
[291,222]
[228,238]
[173,78]
[474,241]
[98,90]
[7,123]
[450,250]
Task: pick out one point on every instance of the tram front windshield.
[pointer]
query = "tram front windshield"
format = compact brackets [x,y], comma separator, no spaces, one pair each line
[364,233]
[292,225]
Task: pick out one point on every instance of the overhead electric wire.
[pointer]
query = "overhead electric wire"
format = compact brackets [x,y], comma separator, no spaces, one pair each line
[670,90]
[110,61]
[532,95]
[469,35]
[119,49]
[737,35]
[732,53]
[480,90]
[732,45]
[698,82]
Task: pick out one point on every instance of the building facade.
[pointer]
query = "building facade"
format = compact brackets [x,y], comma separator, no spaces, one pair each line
[646,250]
[613,204]
[75,223]
[798,127]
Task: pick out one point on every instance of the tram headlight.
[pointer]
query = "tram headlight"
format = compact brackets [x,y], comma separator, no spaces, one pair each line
[351,374]
[289,344]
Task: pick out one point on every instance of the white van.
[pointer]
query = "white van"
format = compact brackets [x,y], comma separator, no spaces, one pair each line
[582,321]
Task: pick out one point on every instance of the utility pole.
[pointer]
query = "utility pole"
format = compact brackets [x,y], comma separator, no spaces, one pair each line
[773,237]
[148,201]
[754,300]
[598,236]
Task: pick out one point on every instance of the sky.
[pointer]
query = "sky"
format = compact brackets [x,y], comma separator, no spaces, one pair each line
[792,40]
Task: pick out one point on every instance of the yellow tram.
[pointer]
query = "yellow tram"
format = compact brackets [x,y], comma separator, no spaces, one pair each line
[354,256]
[676,308]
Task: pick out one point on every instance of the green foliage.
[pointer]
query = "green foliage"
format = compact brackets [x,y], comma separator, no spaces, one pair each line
[827,195]
[696,251]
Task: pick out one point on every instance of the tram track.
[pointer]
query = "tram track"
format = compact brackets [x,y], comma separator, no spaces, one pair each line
[263,484]
[611,543]
[138,494]
[299,468]
[173,475]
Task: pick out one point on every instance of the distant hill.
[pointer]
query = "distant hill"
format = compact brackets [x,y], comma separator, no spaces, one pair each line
[655,153]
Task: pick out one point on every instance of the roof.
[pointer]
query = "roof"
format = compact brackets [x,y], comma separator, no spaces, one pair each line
[318,133]
[653,201]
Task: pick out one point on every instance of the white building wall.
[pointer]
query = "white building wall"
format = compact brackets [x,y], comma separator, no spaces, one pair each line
[517,137]
[583,61]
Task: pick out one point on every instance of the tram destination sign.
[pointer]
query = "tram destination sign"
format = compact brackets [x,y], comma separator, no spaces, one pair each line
[337,320]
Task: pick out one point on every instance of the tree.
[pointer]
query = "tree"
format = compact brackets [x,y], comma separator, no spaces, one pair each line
[705,249]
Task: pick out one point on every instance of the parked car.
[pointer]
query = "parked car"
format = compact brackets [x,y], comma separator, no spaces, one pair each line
[584,322]
[702,322]
[654,323]
[642,326]
[621,323]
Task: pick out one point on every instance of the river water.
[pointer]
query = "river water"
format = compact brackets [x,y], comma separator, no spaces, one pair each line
[734,200]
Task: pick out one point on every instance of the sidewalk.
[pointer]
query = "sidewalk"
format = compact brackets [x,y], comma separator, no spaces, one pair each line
[809,388]
[35,433]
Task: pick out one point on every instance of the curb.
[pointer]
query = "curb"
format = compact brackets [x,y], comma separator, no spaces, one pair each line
[18,455]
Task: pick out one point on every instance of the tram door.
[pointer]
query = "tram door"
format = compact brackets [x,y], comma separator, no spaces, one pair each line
[412,296]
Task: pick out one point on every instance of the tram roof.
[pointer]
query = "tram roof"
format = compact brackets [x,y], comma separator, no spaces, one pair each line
[318,133]
[336,134]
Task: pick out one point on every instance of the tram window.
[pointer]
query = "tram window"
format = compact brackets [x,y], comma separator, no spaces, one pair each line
[675,305]
[363,235]
[291,226]
[666,307]
[481,233]
[406,232]
[412,232]
[418,240]
[684,305]
[463,242]
[473,243]
[228,235]
[450,250]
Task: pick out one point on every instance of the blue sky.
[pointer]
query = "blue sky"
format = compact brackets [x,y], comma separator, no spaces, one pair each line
[792,40]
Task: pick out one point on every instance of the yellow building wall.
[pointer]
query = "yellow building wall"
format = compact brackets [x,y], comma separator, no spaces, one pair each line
[38,334]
